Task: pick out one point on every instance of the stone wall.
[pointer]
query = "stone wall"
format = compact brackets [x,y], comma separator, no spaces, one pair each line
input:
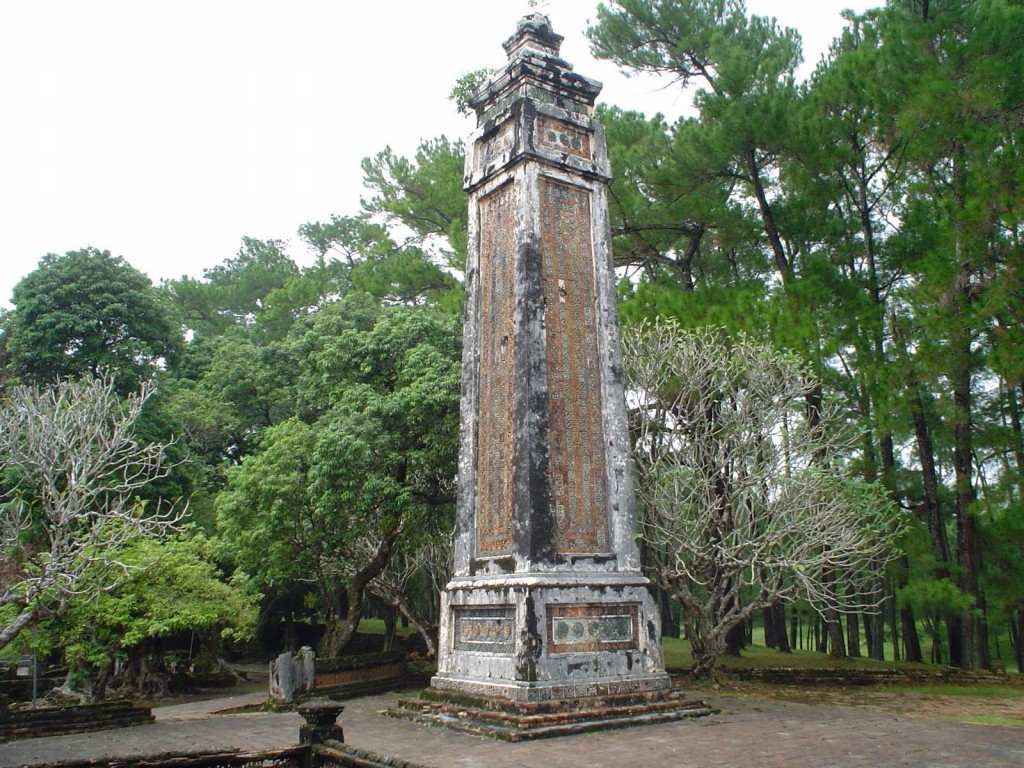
[33,723]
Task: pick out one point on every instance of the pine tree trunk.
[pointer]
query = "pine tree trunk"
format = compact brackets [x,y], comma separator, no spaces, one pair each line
[836,644]
[833,622]
[735,636]
[869,632]
[981,628]
[966,522]
[736,639]
[937,654]
[1018,646]
[779,620]
[911,639]
[935,518]
[890,612]
[769,627]
[1013,406]
[669,624]
[876,649]
[390,627]
[930,483]
[961,293]
[853,635]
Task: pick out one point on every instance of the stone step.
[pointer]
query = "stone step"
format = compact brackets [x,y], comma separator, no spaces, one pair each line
[512,725]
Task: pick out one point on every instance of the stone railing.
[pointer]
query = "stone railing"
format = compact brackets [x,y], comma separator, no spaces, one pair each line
[51,721]
[298,676]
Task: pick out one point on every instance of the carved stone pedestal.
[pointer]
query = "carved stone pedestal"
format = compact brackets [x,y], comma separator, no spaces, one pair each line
[321,716]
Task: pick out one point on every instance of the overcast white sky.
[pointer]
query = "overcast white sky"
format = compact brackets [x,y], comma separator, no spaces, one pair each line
[165,131]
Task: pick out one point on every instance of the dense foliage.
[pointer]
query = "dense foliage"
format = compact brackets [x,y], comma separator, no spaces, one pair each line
[869,222]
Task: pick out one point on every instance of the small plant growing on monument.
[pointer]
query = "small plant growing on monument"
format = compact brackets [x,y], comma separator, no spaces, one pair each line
[743,498]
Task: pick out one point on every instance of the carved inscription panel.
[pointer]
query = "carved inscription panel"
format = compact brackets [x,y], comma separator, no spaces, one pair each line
[574,374]
[496,150]
[563,137]
[577,628]
[494,463]
[485,629]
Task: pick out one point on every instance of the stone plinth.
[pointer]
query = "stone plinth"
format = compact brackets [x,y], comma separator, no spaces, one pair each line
[517,721]
[547,637]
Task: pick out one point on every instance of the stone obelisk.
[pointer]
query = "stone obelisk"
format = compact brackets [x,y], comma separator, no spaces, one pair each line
[548,601]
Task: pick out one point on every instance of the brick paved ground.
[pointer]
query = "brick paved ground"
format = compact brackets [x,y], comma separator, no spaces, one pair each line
[749,732]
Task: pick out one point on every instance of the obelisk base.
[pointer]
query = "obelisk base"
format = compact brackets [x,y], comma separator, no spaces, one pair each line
[524,720]
[528,656]
[550,637]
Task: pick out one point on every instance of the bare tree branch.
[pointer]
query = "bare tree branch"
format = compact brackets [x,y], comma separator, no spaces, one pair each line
[743,498]
[79,471]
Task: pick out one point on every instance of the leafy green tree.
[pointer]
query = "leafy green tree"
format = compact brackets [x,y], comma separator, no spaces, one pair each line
[368,466]
[843,187]
[88,313]
[235,292]
[239,389]
[869,221]
[955,68]
[376,264]
[113,643]
[745,67]
[734,156]
[424,194]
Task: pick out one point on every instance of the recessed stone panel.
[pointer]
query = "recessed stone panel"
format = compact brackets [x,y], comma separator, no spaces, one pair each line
[494,469]
[592,628]
[485,629]
[562,136]
[574,369]
[495,150]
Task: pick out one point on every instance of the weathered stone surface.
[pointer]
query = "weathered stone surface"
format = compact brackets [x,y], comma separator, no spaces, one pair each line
[321,716]
[522,722]
[82,718]
[292,674]
[548,602]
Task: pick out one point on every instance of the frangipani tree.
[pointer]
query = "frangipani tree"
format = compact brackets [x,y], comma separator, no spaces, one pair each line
[742,496]
[76,471]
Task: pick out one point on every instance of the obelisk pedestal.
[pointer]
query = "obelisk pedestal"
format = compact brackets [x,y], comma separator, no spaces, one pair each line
[548,612]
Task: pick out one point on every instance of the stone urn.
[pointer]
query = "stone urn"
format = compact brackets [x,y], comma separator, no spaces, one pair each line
[321,716]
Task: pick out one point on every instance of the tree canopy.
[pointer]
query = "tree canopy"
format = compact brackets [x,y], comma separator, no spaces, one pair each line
[88,313]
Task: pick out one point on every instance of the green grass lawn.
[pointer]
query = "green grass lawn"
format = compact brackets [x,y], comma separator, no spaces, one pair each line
[1009,692]
[757,656]
[677,656]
